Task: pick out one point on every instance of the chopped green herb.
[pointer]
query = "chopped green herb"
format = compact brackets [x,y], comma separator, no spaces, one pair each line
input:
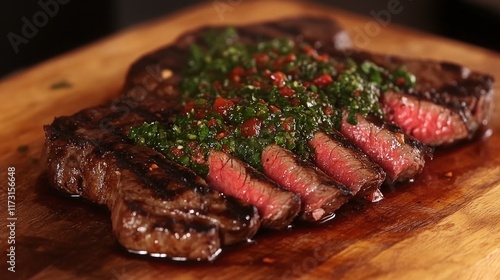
[240,98]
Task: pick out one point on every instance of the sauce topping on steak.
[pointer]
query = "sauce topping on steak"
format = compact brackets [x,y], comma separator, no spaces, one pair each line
[242,97]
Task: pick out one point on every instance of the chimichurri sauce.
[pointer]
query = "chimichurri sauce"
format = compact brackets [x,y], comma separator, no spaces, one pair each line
[240,98]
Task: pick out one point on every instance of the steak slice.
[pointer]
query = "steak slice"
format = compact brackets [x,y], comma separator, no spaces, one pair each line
[450,99]
[346,163]
[400,156]
[278,207]
[320,195]
[426,121]
[157,207]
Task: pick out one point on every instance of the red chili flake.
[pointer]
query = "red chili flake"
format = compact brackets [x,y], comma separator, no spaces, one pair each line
[400,81]
[177,152]
[357,93]
[323,80]
[222,105]
[278,78]
[192,144]
[286,91]
[220,135]
[289,58]
[272,128]
[274,109]
[251,71]
[200,114]
[251,127]
[198,157]
[153,167]
[339,68]
[288,124]
[322,58]
[236,73]
[261,59]
[212,122]
[189,107]
[295,102]
[307,84]
[217,85]
[310,50]
[256,84]
[328,110]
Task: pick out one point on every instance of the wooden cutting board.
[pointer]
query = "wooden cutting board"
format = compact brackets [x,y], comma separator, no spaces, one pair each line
[444,225]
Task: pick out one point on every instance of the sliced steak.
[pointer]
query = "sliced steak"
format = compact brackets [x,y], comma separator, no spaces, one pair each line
[320,195]
[464,97]
[346,163]
[278,207]
[426,121]
[400,156]
[157,207]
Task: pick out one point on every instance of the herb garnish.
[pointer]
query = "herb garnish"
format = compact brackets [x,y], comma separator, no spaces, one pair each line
[240,98]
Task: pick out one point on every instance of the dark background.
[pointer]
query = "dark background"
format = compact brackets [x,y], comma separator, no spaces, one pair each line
[78,22]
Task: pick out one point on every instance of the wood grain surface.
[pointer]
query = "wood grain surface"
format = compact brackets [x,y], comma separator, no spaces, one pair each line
[444,225]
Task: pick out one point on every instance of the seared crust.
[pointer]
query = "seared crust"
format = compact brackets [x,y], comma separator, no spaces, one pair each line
[157,206]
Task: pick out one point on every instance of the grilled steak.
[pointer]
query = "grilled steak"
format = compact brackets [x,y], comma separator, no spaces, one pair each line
[231,176]
[320,195]
[449,103]
[400,156]
[157,207]
[346,163]
[161,208]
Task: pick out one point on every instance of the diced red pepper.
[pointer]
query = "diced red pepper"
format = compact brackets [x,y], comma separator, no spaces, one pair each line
[310,50]
[256,84]
[286,91]
[261,59]
[212,122]
[278,78]
[251,71]
[223,105]
[288,124]
[295,102]
[237,73]
[323,80]
[290,57]
[192,144]
[400,81]
[217,85]
[251,127]
[274,109]
[177,152]
[189,106]
[220,135]
[200,114]
[328,110]
[322,57]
